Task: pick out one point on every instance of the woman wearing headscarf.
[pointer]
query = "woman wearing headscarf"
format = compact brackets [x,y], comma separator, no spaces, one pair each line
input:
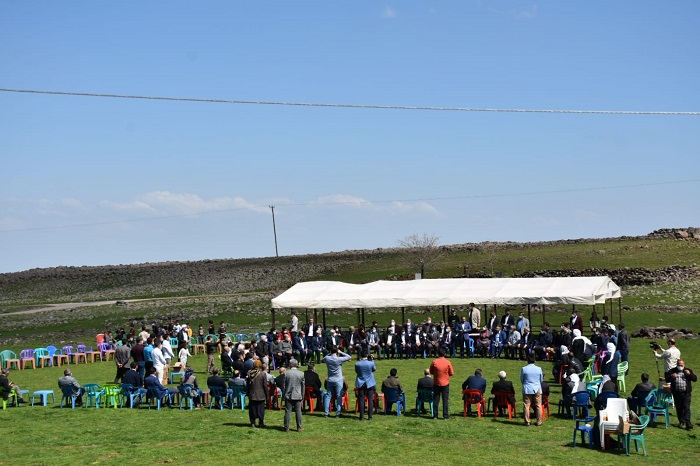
[582,347]
[257,390]
[610,361]
[191,380]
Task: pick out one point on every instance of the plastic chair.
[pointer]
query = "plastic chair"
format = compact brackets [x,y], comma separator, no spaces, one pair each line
[93,392]
[425,396]
[42,358]
[611,416]
[154,394]
[501,400]
[658,402]
[112,394]
[309,397]
[238,395]
[9,359]
[58,355]
[106,350]
[27,356]
[186,395]
[584,426]
[474,397]
[635,433]
[621,372]
[173,343]
[174,374]
[344,401]
[375,401]
[581,403]
[68,396]
[545,406]
[218,395]
[134,394]
[391,396]
[562,371]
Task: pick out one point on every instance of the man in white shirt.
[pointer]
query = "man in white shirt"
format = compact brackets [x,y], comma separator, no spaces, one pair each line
[158,359]
[670,356]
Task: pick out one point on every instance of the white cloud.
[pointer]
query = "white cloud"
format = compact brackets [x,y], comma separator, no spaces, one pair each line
[342,199]
[389,12]
[165,202]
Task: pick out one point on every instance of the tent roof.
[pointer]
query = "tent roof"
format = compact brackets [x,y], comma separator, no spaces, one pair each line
[448,291]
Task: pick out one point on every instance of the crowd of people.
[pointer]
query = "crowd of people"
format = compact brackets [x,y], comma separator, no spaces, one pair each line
[143,359]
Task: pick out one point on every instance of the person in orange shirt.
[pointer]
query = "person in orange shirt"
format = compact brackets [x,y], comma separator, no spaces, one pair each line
[442,370]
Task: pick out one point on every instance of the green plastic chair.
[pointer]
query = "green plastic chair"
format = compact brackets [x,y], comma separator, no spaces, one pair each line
[425,396]
[621,371]
[8,359]
[112,393]
[658,402]
[636,433]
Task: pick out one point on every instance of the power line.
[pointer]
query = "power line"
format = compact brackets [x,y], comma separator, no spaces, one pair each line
[358,106]
[360,202]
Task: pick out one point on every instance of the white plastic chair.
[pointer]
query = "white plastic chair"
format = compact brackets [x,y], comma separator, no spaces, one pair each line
[611,415]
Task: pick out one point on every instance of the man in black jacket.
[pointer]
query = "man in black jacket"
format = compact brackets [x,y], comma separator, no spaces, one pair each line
[681,379]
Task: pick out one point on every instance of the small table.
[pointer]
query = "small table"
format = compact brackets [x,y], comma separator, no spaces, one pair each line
[43,396]
[173,374]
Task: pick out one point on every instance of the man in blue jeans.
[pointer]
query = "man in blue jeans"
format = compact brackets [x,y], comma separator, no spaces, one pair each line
[334,361]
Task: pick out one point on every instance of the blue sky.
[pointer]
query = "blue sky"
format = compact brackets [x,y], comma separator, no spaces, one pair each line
[97,181]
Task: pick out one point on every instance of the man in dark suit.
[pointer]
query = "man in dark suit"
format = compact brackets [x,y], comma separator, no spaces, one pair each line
[640,392]
[493,321]
[504,386]
[300,347]
[507,321]
[311,379]
[132,376]
[318,345]
[226,358]
[474,382]
[353,341]
[215,380]
[425,382]
[449,341]
[333,340]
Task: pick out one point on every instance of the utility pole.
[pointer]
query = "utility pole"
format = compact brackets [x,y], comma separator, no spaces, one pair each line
[274,230]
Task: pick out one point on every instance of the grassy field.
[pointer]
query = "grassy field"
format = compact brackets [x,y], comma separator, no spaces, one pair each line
[106,436]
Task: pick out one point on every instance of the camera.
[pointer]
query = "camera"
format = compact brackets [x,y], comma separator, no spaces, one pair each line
[654,345]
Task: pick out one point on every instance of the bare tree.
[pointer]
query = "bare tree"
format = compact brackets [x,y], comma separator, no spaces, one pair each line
[421,251]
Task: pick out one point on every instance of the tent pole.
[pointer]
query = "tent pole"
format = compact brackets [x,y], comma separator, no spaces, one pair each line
[323,311]
[619,306]
[358,317]
[528,315]
[363,316]
[443,314]
[543,317]
[307,315]
[403,316]
[273,316]
[315,316]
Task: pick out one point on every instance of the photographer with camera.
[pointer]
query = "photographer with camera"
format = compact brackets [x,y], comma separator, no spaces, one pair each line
[670,356]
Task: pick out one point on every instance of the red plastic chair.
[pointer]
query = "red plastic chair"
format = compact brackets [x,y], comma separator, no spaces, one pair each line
[474,397]
[502,401]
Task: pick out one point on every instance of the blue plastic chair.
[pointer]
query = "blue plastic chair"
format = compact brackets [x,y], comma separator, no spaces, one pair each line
[69,396]
[186,395]
[218,395]
[391,396]
[93,392]
[153,393]
[585,426]
[658,402]
[581,402]
[425,396]
[237,396]
[134,394]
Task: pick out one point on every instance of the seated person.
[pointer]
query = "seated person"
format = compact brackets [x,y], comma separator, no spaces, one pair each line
[474,382]
[164,393]
[7,387]
[191,379]
[69,381]
[498,341]
[215,380]
[237,381]
[504,386]
[570,386]
[392,382]
[640,392]
[311,379]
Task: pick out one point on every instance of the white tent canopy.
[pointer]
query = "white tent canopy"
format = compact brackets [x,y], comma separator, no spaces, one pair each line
[448,292]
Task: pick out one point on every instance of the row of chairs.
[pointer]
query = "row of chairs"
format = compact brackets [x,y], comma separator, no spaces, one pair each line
[51,355]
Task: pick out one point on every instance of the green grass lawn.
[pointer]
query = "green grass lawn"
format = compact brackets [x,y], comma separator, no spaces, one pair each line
[106,436]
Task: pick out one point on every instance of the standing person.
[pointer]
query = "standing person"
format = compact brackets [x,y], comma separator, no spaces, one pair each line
[257,391]
[122,356]
[167,350]
[531,377]
[474,316]
[293,392]
[623,344]
[681,379]
[442,370]
[184,353]
[210,348]
[576,321]
[670,356]
[294,324]
[334,363]
[158,359]
[138,356]
[365,384]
